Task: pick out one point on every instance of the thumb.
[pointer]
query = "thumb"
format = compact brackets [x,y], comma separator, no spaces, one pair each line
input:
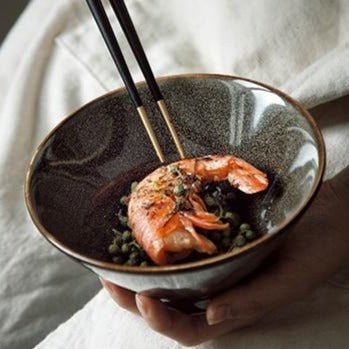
[282,283]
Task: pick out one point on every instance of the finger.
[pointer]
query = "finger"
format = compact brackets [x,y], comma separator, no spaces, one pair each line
[186,329]
[282,283]
[124,298]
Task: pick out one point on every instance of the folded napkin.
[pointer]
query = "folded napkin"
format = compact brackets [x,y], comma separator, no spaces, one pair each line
[54,61]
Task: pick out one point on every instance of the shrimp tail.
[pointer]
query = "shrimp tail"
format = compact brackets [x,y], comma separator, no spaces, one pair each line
[246,181]
[206,224]
[246,177]
[202,244]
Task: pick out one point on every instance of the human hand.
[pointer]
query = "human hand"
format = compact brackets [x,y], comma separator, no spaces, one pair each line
[316,248]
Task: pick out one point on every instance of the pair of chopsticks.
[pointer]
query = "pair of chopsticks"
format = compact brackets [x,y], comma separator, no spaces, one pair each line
[110,39]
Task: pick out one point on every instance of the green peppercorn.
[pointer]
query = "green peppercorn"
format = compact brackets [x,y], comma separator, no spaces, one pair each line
[133,248]
[114,249]
[239,241]
[144,264]
[118,239]
[173,168]
[126,236]
[245,227]
[118,259]
[217,193]
[233,218]
[123,220]
[134,186]
[179,190]
[209,200]
[134,255]
[250,235]
[228,215]
[125,248]
[130,262]
[123,200]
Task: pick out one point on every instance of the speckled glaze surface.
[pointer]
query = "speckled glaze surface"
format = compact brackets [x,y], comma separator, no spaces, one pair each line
[82,167]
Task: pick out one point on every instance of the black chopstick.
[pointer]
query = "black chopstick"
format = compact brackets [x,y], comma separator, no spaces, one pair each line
[106,30]
[109,37]
[128,27]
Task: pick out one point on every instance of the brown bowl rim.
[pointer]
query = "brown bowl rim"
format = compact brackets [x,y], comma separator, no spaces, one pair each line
[189,266]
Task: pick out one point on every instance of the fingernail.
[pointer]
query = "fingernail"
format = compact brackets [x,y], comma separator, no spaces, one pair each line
[141,305]
[218,314]
[105,284]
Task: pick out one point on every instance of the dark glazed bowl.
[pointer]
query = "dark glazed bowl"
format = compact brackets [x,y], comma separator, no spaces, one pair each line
[78,172]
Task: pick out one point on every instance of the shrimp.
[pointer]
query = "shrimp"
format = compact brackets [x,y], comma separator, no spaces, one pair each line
[165,208]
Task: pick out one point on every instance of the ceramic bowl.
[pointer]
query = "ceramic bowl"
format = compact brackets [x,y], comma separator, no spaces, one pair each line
[79,170]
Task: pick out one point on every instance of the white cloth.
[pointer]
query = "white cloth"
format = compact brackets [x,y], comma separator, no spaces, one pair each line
[54,61]
[310,323]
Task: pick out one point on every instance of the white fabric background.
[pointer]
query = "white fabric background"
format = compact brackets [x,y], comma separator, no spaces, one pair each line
[54,61]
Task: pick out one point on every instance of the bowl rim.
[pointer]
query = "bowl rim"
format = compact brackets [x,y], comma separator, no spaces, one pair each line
[189,266]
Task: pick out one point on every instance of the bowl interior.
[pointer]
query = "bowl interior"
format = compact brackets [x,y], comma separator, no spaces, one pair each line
[82,168]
